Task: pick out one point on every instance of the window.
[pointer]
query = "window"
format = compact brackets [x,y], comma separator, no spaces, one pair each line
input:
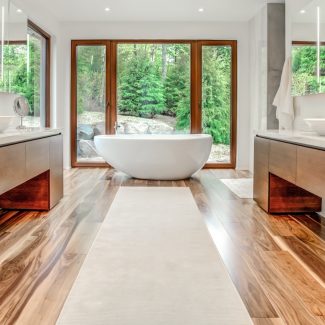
[27,73]
[150,87]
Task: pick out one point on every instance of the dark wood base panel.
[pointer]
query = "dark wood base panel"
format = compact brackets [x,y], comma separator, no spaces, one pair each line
[285,197]
[31,195]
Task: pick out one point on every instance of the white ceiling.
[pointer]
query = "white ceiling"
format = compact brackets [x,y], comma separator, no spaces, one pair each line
[151,10]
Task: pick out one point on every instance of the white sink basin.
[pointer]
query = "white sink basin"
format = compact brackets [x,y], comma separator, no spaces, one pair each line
[317,125]
[6,122]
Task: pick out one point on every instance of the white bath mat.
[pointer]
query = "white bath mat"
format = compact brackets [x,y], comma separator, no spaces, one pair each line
[154,263]
[242,187]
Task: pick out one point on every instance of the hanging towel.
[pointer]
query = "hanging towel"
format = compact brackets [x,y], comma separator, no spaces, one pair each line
[283,99]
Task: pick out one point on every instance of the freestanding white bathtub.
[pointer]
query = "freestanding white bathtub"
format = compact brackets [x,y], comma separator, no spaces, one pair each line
[156,157]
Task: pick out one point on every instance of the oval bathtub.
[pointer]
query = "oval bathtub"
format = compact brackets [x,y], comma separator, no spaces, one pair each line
[156,157]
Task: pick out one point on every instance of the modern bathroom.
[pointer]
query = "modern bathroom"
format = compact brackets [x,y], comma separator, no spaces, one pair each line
[162,162]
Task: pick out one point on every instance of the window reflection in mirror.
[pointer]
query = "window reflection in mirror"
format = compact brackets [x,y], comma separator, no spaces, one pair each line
[24,53]
[304,69]
[308,47]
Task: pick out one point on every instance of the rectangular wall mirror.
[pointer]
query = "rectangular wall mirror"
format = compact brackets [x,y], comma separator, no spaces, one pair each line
[308,47]
[24,64]
[14,63]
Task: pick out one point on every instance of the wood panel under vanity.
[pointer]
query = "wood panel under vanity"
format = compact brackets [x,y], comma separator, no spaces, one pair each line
[288,177]
[31,171]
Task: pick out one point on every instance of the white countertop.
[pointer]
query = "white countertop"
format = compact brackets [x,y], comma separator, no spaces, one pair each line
[16,136]
[307,139]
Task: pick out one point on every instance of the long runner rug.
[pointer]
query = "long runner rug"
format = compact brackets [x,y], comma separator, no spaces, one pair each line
[153,263]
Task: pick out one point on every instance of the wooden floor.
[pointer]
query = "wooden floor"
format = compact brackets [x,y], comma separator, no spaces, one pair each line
[276,262]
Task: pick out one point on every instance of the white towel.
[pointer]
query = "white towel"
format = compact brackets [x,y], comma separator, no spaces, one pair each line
[283,99]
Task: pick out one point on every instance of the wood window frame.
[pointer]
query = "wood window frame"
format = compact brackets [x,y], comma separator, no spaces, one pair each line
[306,43]
[111,90]
[47,38]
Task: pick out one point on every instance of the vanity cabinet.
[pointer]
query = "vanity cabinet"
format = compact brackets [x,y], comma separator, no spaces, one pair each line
[31,173]
[56,168]
[288,178]
[261,172]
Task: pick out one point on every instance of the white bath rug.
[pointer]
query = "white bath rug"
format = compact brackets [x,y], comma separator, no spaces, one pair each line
[242,187]
[154,263]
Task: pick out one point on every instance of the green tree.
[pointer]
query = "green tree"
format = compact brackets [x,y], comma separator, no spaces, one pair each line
[177,82]
[140,86]
[216,92]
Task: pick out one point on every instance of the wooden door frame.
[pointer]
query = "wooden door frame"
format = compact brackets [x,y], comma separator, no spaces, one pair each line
[233,103]
[74,103]
[196,90]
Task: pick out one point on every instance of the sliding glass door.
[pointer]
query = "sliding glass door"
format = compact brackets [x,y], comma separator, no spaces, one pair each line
[90,99]
[154,87]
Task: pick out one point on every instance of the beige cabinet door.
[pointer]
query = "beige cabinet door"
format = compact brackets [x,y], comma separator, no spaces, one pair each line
[37,157]
[283,160]
[311,170]
[12,166]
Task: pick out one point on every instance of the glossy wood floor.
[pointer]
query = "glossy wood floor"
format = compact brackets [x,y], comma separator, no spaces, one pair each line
[276,262]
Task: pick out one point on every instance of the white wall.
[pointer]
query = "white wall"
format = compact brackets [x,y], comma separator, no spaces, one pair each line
[258,77]
[215,31]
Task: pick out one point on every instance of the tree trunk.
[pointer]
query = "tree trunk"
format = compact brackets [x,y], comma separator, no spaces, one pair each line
[164,61]
[153,53]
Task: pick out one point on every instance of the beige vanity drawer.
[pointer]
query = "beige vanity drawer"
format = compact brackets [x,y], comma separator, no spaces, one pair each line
[283,160]
[311,170]
[37,157]
[12,166]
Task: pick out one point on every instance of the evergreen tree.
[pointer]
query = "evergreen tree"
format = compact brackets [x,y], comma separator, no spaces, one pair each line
[140,88]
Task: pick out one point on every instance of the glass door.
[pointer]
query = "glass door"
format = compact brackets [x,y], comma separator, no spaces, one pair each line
[90,99]
[218,99]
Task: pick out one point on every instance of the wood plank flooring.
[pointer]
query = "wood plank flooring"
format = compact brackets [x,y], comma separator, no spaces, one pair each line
[277,263]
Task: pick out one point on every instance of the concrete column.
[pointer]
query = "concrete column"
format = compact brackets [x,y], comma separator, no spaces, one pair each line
[276,48]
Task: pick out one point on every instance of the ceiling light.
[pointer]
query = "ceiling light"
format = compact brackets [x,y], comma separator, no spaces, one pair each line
[19,11]
[303,11]
[201,9]
[107,9]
